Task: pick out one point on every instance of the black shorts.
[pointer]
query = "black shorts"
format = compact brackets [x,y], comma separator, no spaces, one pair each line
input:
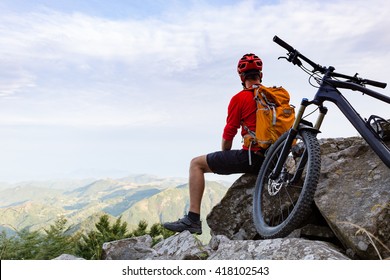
[234,161]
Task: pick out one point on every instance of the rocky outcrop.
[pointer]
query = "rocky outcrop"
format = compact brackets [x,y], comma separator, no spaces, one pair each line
[137,248]
[185,246]
[354,197]
[352,202]
[232,217]
[223,248]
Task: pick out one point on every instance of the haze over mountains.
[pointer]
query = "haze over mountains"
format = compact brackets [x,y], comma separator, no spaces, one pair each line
[35,205]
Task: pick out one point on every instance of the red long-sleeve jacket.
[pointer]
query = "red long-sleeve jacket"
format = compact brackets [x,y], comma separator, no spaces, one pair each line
[242,109]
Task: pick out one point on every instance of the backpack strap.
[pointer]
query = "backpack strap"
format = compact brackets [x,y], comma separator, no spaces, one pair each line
[250,139]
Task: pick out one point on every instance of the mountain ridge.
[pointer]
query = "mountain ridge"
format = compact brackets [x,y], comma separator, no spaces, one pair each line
[134,198]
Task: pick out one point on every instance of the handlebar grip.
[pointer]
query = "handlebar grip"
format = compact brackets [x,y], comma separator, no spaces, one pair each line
[283,44]
[375,83]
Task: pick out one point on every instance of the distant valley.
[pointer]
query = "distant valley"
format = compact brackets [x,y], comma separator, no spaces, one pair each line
[35,205]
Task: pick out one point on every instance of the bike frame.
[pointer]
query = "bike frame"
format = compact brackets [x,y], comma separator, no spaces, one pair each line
[328,91]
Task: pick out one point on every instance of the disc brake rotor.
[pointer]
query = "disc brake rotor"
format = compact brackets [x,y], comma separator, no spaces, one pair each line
[274,186]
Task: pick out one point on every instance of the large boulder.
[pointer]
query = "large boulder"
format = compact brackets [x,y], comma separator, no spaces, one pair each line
[183,246]
[134,248]
[232,216]
[223,248]
[353,197]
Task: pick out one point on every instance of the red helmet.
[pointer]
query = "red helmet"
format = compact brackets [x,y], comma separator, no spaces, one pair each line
[248,64]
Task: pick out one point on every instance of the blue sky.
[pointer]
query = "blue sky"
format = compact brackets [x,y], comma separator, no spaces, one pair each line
[109,88]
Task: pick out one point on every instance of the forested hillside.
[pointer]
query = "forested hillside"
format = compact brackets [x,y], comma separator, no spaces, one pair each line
[36,205]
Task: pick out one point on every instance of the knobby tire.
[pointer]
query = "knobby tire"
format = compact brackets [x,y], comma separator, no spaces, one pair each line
[281,205]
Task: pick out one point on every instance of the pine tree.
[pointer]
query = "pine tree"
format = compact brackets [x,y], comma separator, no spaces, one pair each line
[24,246]
[57,241]
[90,245]
[35,245]
[158,233]
[141,229]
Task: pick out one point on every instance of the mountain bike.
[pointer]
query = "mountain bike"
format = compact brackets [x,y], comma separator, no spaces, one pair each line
[288,178]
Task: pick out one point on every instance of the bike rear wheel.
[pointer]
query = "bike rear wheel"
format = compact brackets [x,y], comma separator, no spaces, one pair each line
[281,205]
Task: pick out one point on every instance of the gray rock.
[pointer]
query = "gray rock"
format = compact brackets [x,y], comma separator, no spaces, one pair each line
[182,246]
[354,196]
[135,248]
[68,257]
[232,217]
[272,249]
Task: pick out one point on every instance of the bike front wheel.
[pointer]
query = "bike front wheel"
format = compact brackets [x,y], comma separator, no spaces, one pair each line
[280,205]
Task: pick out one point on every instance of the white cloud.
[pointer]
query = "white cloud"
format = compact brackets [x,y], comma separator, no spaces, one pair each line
[53,50]
[15,81]
[194,35]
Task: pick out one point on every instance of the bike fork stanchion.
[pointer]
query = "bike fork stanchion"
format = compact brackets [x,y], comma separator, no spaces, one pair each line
[321,116]
[304,103]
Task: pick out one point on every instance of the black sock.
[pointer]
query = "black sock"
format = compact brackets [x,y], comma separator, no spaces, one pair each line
[194,216]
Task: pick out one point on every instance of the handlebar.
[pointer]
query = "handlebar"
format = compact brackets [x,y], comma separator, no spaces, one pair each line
[283,44]
[374,83]
[358,80]
[294,57]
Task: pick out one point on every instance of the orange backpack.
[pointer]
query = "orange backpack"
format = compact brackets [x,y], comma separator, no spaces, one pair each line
[274,116]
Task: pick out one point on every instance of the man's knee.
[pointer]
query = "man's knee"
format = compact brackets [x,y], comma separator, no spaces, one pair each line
[200,162]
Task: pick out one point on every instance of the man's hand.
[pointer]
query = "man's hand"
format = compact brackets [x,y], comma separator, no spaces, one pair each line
[226,145]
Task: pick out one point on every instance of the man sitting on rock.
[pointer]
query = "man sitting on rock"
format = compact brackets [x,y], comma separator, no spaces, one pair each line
[242,109]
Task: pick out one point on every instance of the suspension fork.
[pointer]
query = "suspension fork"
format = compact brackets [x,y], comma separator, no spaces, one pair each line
[298,125]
